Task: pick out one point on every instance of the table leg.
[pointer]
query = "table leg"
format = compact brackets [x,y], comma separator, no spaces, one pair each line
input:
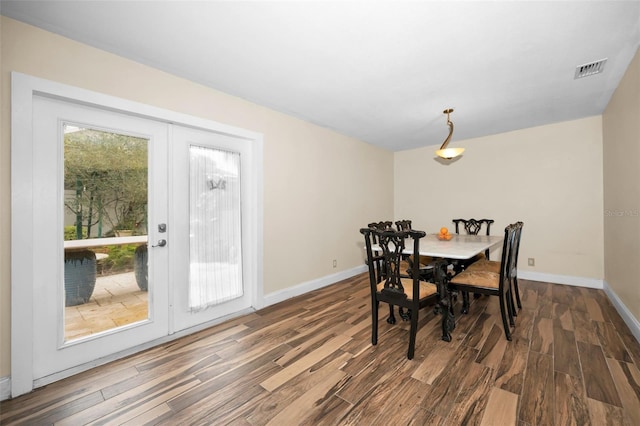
[465,302]
[446,306]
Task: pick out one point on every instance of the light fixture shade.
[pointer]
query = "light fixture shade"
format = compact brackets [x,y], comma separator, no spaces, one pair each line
[449,153]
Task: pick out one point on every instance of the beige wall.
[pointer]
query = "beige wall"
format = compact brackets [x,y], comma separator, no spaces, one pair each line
[621,129]
[550,177]
[319,187]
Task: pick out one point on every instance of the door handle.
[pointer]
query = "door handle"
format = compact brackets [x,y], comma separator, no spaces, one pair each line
[161,243]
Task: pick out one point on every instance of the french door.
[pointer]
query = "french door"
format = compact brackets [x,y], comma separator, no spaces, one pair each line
[84,178]
[208,196]
[136,228]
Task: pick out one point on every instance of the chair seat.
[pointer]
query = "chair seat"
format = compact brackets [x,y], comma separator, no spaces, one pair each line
[485,265]
[462,264]
[405,265]
[426,289]
[478,278]
[426,260]
[477,258]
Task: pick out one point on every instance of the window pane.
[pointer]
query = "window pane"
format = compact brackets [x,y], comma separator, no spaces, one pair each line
[215,249]
[105,230]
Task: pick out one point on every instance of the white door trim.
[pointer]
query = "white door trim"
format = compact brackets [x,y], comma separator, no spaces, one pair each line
[23,89]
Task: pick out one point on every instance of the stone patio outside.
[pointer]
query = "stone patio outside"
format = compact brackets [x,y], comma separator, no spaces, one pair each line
[116,301]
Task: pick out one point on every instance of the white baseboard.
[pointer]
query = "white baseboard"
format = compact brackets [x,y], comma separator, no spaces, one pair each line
[631,321]
[5,388]
[297,290]
[562,279]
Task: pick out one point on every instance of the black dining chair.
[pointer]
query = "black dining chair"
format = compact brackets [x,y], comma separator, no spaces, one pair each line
[514,272]
[426,262]
[494,266]
[383,225]
[491,283]
[403,225]
[377,260]
[473,227]
[397,288]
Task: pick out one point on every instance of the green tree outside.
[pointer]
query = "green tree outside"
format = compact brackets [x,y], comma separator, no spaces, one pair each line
[108,174]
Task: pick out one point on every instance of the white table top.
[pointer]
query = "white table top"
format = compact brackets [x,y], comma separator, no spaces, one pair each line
[458,247]
[98,242]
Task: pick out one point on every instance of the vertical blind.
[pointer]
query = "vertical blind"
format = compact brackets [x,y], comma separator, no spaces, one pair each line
[215,250]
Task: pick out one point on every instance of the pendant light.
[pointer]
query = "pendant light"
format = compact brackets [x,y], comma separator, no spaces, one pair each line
[444,152]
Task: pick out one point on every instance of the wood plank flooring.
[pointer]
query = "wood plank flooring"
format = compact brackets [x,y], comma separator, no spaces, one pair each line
[309,361]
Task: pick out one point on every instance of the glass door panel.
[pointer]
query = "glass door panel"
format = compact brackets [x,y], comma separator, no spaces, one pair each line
[105,230]
[215,244]
[210,202]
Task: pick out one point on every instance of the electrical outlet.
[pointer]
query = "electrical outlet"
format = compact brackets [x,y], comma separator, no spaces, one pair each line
[335,263]
[532,261]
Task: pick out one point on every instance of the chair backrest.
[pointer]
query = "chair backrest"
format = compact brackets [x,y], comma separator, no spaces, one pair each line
[403,225]
[507,265]
[473,226]
[391,244]
[516,248]
[381,226]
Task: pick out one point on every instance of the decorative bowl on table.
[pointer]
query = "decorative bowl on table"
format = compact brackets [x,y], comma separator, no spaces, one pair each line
[444,234]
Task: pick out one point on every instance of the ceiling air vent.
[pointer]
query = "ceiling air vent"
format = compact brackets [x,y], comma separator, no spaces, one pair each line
[590,69]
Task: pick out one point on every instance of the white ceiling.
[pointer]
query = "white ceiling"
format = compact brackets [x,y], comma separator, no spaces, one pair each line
[380,71]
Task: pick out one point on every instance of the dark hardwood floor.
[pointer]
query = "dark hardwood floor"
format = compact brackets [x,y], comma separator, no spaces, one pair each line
[309,360]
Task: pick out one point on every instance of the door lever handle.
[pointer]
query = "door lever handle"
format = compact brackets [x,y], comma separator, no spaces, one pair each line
[161,243]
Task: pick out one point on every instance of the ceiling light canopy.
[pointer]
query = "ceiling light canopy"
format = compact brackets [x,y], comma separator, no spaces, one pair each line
[444,152]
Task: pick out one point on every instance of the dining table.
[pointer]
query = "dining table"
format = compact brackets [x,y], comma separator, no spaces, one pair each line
[459,247]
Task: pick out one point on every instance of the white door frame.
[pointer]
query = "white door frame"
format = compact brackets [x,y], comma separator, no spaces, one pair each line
[23,89]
